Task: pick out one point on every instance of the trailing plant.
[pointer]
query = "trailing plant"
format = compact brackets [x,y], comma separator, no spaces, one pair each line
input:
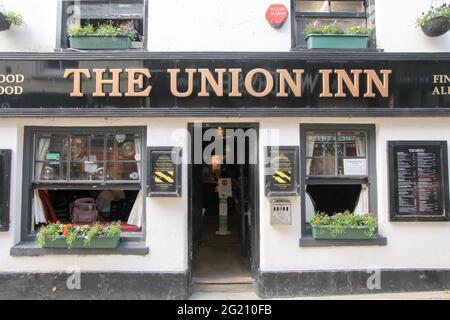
[71,232]
[434,12]
[107,29]
[335,28]
[338,222]
[12,17]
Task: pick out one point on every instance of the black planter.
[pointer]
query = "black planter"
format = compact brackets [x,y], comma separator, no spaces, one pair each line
[436,27]
[4,23]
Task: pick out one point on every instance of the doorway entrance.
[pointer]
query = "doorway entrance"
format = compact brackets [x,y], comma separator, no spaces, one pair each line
[223,195]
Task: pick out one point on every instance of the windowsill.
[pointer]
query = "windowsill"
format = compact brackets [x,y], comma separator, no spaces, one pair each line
[309,241]
[32,249]
[337,50]
[68,50]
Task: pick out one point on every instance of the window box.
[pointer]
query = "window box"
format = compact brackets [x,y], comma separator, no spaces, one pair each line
[99,42]
[99,242]
[337,41]
[347,233]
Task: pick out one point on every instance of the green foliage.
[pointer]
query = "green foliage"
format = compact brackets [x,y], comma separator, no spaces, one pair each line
[434,12]
[335,29]
[72,232]
[360,30]
[108,29]
[81,31]
[14,18]
[339,221]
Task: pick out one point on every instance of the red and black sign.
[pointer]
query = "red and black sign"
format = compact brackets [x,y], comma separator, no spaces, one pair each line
[277,15]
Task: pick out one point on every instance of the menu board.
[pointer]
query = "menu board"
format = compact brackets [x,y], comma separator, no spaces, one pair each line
[418,180]
[164,175]
[281,171]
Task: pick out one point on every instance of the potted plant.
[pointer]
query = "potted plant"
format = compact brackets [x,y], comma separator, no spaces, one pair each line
[436,21]
[59,235]
[333,36]
[104,36]
[8,18]
[343,226]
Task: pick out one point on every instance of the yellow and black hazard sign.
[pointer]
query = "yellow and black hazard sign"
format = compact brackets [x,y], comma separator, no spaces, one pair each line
[164,177]
[282,177]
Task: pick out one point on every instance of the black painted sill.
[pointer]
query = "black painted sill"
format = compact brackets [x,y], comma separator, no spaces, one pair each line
[32,249]
[309,241]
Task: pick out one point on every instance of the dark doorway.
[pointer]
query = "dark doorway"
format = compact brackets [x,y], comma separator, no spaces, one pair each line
[332,199]
[223,198]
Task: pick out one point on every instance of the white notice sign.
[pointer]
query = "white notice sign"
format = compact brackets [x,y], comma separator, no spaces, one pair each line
[355,167]
[224,188]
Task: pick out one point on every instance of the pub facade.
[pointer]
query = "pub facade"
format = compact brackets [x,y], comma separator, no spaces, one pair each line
[220,146]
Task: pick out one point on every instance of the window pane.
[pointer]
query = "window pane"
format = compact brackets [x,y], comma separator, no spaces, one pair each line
[321,153]
[77,171]
[52,147]
[347,6]
[97,147]
[81,157]
[322,166]
[312,6]
[50,170]
[126,148]
[78,147]
[127,171]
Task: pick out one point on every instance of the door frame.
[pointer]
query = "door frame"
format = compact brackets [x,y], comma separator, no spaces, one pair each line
[253,175]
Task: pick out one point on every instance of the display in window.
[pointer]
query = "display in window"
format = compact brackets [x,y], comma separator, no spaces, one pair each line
[337,153]
[84,157]
[418,180]
[88,206]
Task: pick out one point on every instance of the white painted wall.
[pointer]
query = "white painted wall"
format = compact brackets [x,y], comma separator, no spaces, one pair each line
[38,33]
[410,244]
[166,227]
[397,31]
[222,25]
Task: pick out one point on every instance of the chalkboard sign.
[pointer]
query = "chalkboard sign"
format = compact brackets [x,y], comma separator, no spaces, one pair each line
[418,180]
[5,174]
[164,175]
[281,171]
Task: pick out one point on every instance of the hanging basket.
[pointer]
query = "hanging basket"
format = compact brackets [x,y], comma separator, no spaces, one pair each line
[4,23]
[436,27]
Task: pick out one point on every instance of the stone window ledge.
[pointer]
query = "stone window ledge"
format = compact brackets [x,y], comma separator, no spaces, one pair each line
[32,249]
[309,241]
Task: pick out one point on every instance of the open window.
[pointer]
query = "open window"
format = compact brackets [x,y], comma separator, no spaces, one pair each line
[342,12]
[84,175]
[338,173]
[129,13]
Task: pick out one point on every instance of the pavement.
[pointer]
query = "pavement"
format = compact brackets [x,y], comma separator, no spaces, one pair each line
[439,295]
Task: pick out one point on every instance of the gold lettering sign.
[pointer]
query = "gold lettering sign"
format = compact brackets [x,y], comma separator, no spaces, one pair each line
[258,82]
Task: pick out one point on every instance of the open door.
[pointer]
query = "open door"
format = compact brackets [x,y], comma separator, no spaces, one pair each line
[215,256]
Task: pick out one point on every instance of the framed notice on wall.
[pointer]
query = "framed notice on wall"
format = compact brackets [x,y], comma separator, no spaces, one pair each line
[164,171]
[418,180]
[281,171]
